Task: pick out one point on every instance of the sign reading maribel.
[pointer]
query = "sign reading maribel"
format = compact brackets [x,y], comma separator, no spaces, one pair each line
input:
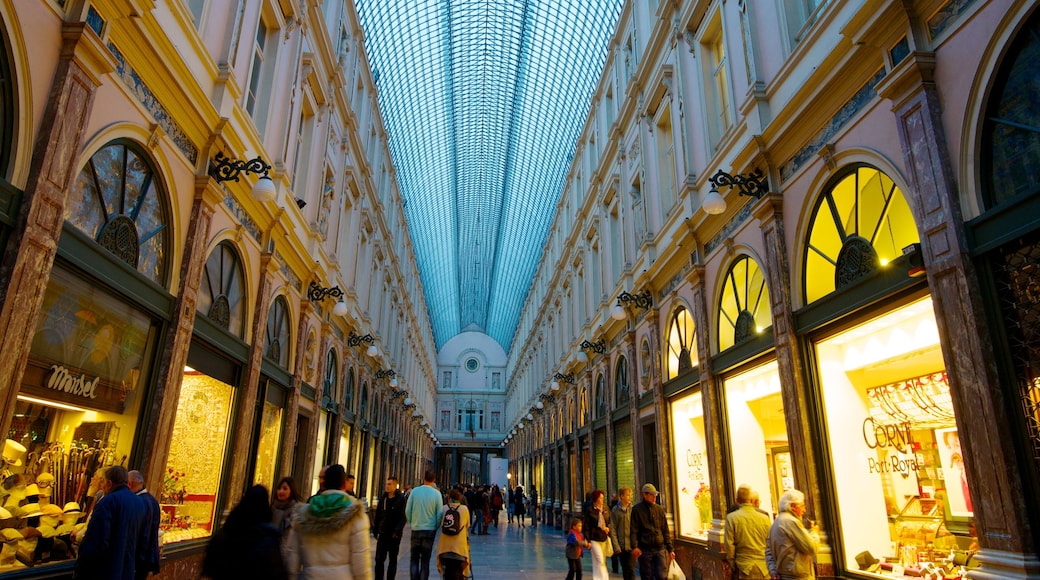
[61,379]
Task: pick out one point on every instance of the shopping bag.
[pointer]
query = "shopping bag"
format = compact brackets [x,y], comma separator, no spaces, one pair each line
[675,572]
[608,548]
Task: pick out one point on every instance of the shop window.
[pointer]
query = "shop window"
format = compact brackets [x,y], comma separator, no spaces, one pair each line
[348,402]
[195,465]
[902,490]
[319,449]
[276,340]
[622,393]
[690,466]
[117,202]
[601,397]
[269,431]
[1010,141]
[624,466]
[222,291]
[744,307]
[599,442]
[76,411]
[758,434]
[682,354]
[860,224]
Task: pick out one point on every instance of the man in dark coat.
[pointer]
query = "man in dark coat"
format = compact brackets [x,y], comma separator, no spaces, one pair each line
[109,548]
[148,545]
[649,532]
[388,526]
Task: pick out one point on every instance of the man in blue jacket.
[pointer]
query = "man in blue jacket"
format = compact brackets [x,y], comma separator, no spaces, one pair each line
[424,510]
[109,548]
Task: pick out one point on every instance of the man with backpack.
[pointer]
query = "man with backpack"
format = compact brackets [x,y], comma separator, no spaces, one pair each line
[424,512]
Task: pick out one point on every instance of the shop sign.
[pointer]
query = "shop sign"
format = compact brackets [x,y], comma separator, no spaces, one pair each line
[895,436]
[67,384]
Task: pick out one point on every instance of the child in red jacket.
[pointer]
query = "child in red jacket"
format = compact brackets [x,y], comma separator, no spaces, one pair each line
[575,542]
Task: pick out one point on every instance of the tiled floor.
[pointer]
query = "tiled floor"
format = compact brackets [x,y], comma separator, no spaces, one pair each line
[510,553]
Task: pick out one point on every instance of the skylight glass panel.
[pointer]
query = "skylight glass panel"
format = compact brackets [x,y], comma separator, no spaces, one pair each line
[483,101]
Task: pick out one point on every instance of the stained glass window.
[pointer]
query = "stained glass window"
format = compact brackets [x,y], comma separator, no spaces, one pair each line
[744,308]
[222,291]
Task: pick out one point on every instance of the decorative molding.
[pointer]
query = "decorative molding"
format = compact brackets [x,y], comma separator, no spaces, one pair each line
[945,16]
[147,99]
[847,111]
[727,231]
[240,214]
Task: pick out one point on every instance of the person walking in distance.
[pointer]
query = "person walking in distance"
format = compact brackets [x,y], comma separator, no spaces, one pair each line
[148,549]
[423,511]
[109,547]
[533,502]
[248,544]
[518,504]
[791,547]
[330,533]
[649,532]
[388,526]
[747,530]
[620,532]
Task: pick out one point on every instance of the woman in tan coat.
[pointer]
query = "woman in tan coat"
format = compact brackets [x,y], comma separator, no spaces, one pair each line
[453,550]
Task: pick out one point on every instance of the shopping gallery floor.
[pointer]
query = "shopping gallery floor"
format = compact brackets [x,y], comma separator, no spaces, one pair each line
[509,553]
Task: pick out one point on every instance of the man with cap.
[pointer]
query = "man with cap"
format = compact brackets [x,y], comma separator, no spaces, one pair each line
[649,532]
[746,531]
[109,548]
[148,548]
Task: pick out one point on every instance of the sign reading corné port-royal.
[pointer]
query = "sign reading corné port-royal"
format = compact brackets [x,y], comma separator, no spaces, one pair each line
[64,383]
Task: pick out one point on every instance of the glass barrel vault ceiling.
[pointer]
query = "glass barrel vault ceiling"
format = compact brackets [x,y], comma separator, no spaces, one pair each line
[483,101]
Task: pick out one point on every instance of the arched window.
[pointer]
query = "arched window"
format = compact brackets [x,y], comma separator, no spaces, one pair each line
[117,202]
[583,408]
[349,390]
[601,396]
[622,393]
[276,340]
[860,223]
[363,409]
[331,380]
[744,307]
[682,354]
[8,106]
[1010,141]
[222,292]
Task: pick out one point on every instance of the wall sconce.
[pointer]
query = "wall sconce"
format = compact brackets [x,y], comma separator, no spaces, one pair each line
[381,374]
[753,184]
[545,397]
[599,347]
[355,340]
[643,300]
[228,169]
[398,393]
[318,293]
[562,378]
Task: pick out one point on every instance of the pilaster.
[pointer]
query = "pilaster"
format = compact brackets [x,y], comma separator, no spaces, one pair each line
[29,256]
[995,477]
[159,430]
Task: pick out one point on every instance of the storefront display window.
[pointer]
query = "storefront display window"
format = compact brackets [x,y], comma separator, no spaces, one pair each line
[270,438]
[75,415]
[194,469]
[899,472]
[344,447]
[758,434]
[319,450]
[690,465]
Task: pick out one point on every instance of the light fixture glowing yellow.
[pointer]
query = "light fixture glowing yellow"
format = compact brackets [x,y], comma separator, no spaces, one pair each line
[47,403]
